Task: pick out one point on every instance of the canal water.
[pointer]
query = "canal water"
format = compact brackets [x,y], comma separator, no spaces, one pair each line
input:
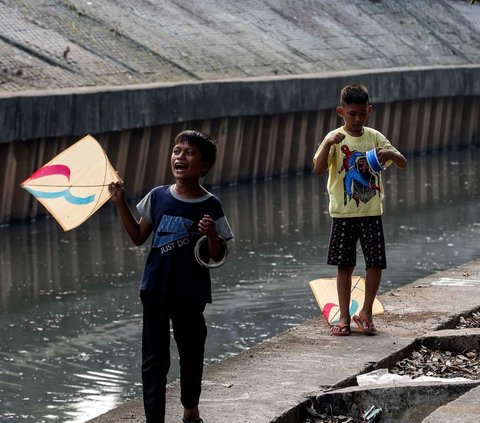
[70,317]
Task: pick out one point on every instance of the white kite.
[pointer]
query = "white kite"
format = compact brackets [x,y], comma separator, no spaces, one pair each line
[74,185]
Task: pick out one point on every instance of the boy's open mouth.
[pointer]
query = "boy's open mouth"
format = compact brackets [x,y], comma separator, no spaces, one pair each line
[180,166]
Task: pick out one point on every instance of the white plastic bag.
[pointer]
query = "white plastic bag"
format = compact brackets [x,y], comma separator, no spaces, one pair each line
[383,377]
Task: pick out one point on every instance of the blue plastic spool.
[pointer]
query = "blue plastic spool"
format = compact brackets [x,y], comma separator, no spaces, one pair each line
[373,161]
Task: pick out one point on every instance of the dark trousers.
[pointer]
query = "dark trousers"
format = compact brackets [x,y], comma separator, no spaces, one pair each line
[190,333]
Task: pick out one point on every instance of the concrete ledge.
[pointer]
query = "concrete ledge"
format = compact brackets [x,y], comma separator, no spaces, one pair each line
[465,409]
[267,383]
[74,112]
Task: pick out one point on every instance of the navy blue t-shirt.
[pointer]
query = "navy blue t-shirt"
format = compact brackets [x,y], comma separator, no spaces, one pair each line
[171,267]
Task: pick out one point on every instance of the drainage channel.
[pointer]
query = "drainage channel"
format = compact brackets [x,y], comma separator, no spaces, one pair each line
[448,360]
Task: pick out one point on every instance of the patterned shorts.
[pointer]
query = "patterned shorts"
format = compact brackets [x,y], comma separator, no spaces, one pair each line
[342,250]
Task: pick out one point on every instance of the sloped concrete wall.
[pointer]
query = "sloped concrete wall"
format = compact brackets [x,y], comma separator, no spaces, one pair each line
[78,43]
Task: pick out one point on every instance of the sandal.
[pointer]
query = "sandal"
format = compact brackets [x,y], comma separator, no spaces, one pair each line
[340,330]
[364,326]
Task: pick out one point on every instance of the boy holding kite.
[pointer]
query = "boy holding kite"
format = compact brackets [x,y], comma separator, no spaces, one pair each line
[175,285]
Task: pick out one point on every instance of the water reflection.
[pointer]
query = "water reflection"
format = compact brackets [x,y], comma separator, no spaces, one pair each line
[70,317]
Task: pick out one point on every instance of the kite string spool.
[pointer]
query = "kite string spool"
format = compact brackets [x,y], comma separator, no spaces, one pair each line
[373,161]
[213,264]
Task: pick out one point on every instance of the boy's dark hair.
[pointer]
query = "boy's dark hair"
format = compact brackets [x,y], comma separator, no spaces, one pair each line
[354,94]
[206,145]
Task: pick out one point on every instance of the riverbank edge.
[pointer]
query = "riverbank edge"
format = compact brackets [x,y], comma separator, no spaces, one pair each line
[268,382]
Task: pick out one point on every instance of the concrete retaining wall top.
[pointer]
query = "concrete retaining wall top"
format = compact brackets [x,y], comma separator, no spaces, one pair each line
[54,113]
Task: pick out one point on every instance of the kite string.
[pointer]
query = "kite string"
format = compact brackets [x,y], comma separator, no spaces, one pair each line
[103,185]
[70,186]
[353,286]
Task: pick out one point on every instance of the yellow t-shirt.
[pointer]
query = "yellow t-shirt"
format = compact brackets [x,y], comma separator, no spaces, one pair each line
[354,190]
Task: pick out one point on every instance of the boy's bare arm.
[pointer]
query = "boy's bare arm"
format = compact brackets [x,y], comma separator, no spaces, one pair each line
[216,247]
[395,156]
[138,231]
[321,162]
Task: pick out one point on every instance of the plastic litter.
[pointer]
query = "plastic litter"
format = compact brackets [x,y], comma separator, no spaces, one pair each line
[384,377]
[370,415]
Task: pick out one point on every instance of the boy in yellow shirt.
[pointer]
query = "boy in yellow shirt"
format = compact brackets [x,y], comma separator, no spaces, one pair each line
[355,202]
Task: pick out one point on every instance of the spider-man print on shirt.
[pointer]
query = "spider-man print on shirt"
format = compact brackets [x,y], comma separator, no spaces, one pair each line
[359,182]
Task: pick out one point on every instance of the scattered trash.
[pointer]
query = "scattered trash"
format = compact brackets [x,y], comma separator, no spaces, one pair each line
[427,365]
[442,363]
[324,418]
[328,417]
[371,414]
[423,365]
[472,321]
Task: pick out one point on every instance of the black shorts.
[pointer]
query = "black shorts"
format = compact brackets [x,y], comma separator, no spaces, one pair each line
[342,250]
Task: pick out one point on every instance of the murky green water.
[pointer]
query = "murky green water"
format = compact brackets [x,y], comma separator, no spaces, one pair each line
[70,317]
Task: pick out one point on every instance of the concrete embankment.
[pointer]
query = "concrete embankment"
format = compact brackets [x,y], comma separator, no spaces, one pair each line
[63,44]
[272,381]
